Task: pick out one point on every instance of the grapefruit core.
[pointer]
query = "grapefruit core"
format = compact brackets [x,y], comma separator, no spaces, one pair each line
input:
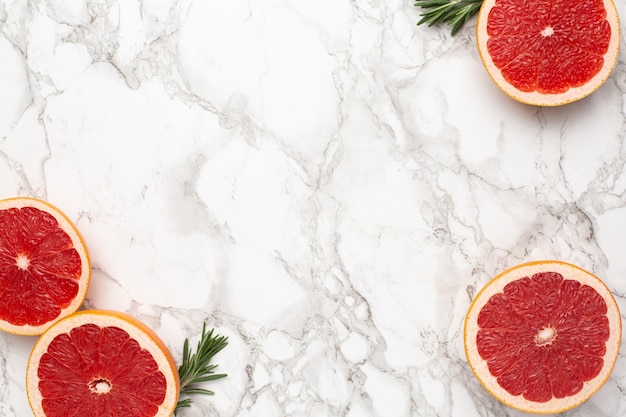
[44,266]
[548,52]
[100,363]
[543,337]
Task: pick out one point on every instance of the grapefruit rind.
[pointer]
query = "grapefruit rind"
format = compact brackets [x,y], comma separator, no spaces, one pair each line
[139,331]
[536,98]
[496,285]
[79,244]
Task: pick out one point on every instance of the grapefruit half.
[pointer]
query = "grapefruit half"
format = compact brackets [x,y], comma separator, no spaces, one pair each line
[543,337]
[100,363]
[548,52]
[44,266]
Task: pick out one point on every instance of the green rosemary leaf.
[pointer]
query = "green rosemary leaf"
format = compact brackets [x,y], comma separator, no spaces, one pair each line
[455,13]
[191,391]
[183,404]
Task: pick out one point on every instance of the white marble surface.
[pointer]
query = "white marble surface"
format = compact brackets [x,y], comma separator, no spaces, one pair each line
[324,182]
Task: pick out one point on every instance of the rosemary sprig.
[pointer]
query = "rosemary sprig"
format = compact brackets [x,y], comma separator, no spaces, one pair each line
[453,12]
[197,368]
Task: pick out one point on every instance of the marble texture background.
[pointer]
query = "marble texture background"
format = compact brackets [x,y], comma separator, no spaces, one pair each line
[324,182]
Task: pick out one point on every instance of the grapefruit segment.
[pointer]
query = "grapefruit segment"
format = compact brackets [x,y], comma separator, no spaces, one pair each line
[543,336]
[548,52]
[98,363]
[44,266]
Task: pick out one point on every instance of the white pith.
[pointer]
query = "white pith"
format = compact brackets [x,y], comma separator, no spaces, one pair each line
[100,386]
[22,262]
[535,98]
[545,336]
[479,365]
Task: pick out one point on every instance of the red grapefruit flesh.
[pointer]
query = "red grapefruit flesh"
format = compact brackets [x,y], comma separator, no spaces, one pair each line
[544,336]
[44,266]
[548,52]
[99,363]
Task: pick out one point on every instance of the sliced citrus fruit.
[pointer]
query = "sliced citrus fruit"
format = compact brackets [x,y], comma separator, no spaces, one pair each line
[99,363]
[44,266]
[543,336]
[548,52]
